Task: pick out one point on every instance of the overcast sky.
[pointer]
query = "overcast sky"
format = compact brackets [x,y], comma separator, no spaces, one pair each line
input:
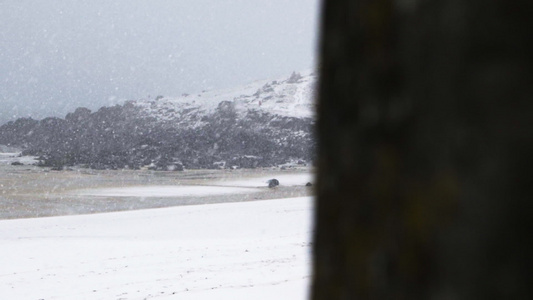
[56,55]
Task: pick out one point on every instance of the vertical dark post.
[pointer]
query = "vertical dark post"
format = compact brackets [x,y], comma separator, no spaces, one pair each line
[425,138]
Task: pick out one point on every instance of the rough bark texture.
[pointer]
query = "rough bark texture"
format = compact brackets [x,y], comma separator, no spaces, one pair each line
[425,139]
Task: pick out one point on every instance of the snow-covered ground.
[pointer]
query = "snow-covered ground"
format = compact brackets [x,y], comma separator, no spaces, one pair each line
[11,157]
[247,250]
[222,187]
[164,191]
[284,180]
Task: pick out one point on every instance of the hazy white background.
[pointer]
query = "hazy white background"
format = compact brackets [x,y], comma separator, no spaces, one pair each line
[57,55]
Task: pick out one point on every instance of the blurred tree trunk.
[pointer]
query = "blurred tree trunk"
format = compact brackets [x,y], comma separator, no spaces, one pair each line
[425,139]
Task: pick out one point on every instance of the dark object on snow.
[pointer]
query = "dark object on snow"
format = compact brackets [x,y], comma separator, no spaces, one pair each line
[309,184]
[17,163]
[273,183]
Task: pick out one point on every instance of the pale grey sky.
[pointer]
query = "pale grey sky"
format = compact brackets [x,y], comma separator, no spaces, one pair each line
[56,55]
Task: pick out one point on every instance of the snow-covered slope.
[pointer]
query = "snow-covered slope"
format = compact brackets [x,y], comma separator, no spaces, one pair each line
[288,97]
[249,250]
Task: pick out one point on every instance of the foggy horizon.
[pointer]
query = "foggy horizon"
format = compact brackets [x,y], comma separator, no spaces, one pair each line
[57,56]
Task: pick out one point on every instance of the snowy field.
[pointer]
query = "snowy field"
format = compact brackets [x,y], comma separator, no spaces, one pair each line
[284,179]
[204,234]
[165,191]
[28,191]
[246,250]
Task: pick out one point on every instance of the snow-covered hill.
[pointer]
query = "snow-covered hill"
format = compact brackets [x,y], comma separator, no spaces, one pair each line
[264,123]
[288,97]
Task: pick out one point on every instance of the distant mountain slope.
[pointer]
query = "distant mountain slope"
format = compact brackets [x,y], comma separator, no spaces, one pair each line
[264,123]
[290,97]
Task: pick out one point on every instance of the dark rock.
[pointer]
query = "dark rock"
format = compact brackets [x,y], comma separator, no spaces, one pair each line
[273,183]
